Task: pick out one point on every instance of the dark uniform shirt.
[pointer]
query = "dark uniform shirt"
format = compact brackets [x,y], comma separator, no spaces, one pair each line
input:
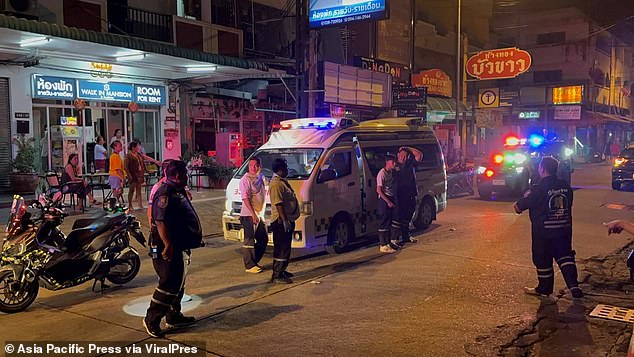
[550,205]
[172,207]
[406,178]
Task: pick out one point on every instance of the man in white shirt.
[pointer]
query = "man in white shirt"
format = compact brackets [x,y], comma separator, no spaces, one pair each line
[252,192]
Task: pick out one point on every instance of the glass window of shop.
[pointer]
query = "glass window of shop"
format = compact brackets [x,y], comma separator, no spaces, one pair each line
[60,130]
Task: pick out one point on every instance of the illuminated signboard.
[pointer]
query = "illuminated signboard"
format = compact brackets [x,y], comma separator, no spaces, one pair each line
[499,64]
[340,12]
[568,95]
[529,115]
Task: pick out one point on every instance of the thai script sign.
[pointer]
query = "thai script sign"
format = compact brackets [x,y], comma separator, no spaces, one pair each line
[568,95]
[334,12]
[499,64]
[436,81]
[48,87]
[568,112]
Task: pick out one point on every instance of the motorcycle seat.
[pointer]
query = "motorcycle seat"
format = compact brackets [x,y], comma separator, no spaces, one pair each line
[80,237]
[85,222]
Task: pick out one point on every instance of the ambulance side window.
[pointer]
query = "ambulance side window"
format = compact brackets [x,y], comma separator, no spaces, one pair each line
[337,165]
[375,157]
[431,157]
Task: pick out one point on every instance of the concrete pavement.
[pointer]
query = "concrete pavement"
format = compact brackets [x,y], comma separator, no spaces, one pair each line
[456,292]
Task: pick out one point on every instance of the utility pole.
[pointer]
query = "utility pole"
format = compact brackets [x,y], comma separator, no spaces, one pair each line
[301,28]
[458,78]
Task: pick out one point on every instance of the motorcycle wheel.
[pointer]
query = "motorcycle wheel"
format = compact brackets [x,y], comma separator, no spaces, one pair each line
[134,265]
[12,301]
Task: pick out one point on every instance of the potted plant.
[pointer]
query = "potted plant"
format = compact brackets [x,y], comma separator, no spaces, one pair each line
[24,178]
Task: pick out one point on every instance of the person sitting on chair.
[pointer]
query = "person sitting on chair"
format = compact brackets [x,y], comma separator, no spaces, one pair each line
[74,184]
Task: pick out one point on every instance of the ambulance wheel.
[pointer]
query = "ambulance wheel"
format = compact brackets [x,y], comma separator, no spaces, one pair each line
[425,214]
[340,235]
[616,185]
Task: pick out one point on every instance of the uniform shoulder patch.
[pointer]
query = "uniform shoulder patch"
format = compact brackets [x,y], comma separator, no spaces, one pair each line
[162,202]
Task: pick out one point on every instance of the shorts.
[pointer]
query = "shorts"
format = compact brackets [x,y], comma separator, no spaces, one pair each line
[115,182]
[100,165]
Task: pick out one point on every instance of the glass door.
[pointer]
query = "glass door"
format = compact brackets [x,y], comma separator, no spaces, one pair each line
[145,130]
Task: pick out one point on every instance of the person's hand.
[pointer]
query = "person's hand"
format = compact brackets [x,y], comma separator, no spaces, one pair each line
[517,208]
[390,204]
[256,220]
[287,226]
[168,252]
[614,227]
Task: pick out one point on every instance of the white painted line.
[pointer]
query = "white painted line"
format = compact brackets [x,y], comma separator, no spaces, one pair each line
[209,199]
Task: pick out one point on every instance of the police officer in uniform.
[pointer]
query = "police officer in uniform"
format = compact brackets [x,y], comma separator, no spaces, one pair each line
[284,212]
[550,206]
[175,230]
[407,157]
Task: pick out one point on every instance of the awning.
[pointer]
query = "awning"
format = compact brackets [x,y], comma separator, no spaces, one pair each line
[445,105]
[104,38]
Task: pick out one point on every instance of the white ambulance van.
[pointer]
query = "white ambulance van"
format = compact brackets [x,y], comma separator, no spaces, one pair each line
[333,165]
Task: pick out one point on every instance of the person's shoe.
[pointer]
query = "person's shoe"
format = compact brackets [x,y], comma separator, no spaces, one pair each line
[153,330]
[576,292]
[180,321]
[534,292]
[394,246]
[287,274]
[386,249]
[281,280]
[396,243]
[255,270]
[413,240]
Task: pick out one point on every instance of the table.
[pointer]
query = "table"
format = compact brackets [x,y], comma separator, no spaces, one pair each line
[101,184]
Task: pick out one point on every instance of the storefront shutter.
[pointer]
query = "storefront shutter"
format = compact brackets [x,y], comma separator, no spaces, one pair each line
[5,135]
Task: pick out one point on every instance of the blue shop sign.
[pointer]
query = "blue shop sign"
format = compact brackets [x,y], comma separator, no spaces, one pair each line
[146,94]
[109,91]
[48,87]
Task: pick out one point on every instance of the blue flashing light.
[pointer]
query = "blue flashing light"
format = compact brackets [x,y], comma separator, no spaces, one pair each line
[536,140]
[318,124]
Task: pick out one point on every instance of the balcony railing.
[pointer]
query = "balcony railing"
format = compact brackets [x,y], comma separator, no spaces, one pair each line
[135,22]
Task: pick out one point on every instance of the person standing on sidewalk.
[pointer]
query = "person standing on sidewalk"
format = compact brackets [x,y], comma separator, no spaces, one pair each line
[386,189]
[256,238]
[407,157]
[284,212]
[550,205]
[176,230]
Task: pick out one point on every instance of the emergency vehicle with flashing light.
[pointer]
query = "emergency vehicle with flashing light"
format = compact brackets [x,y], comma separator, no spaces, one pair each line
[507,171]
[333,165]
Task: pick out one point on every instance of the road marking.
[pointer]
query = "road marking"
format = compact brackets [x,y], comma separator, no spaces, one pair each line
[209,199]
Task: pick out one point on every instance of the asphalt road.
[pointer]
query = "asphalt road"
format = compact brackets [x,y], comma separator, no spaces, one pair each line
[456,292]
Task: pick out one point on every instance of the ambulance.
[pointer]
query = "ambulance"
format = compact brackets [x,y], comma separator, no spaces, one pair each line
[333,164]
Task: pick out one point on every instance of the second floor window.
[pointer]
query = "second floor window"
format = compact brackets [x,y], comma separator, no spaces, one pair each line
[551,38]
[547,76]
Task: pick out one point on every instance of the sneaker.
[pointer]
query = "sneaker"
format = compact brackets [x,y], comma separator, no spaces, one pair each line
[396,243]
[281,280]
[180,321]
[413,240]
[287,274]
[255,270]
[386,249]
[153,330]
[534,292]
[576,292]
[394,246]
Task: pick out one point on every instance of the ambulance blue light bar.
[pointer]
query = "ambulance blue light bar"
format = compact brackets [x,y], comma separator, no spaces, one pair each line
[311,123]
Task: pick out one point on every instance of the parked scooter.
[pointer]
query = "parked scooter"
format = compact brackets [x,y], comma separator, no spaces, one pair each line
[459,180]
[34,252]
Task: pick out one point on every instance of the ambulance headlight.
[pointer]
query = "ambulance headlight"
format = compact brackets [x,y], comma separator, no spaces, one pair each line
[306,208]
[297,236]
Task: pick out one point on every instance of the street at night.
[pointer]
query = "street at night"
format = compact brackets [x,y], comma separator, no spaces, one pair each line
[458,291]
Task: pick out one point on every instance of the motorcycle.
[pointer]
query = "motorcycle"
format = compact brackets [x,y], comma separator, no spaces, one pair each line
[35,253]
[459,180]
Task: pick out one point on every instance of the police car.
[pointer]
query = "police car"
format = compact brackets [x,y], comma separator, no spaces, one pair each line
[507,171]
[623,169]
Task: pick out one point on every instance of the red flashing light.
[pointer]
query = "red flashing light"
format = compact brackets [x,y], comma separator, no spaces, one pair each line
[619,161]
[285,126]
[512,141]
[498,159]
[489,173]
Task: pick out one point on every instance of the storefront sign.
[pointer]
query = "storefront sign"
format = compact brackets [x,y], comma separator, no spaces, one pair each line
[499,64]
[436,81]
[331,12]
[489,98]
[19,115]
[110,91]
[68,121]
[47,87]
[529,115]
[410,102]
[568,112]
[400,73]
[509,97]
[488,118]
[568,95]
[145,94]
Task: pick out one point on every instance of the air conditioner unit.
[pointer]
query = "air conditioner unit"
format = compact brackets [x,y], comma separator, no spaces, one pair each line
[20,8]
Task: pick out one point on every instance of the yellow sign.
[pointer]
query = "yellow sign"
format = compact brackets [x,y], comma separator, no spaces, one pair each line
[101,66]
[436,81]
[568,95]
[489,98]
[68,121]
